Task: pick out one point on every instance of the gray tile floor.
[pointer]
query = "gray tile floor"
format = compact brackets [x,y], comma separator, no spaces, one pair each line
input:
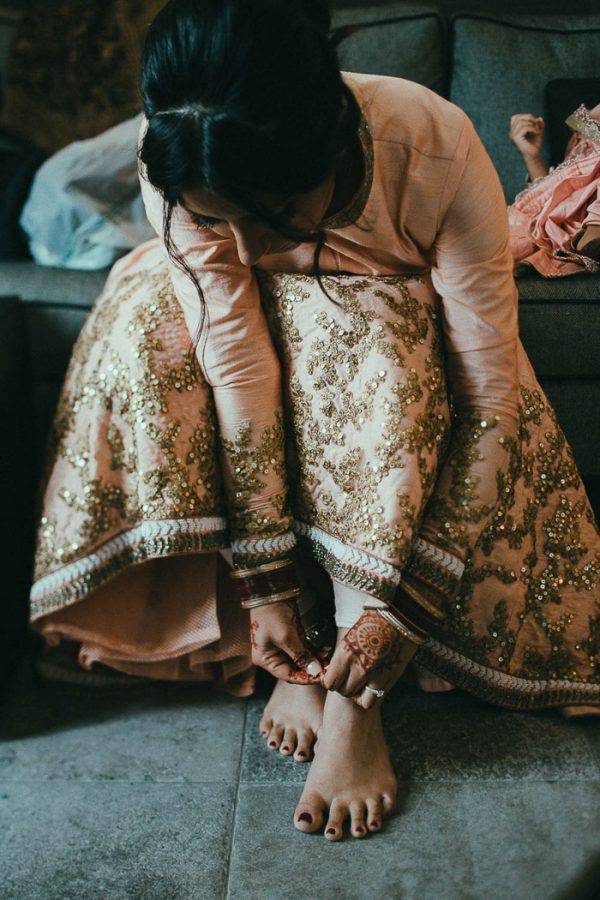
[169,794]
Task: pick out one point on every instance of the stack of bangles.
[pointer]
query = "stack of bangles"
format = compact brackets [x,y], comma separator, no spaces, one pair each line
[269,583]
[415,618]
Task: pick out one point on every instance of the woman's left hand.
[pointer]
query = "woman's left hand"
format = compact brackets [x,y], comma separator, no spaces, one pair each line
[371,651]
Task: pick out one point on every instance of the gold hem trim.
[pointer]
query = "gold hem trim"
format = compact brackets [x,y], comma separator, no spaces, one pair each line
[79,587]
[500,688]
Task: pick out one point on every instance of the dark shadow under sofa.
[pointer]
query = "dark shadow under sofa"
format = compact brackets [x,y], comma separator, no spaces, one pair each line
[492,65]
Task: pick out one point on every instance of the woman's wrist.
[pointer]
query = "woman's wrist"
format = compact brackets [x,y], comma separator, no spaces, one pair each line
[536,167]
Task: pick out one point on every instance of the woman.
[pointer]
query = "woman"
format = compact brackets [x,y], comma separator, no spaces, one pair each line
[337,248]
[555,222]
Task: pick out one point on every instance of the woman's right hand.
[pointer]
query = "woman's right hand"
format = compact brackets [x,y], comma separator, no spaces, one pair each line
[278,646]
[526,132]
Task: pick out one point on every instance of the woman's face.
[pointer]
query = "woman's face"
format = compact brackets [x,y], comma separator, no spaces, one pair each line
[253,237]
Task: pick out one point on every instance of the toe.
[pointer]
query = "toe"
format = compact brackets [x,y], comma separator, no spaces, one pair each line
[358,826]
[305,740]
[334,829]
[374,813]
[288,742]
[389,804]
[275,736]
[265,725]
[309,813]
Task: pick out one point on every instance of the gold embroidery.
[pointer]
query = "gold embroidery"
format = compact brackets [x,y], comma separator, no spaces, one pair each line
[358,393]
[247,462]
[133,389]
[546,550]
[367,428]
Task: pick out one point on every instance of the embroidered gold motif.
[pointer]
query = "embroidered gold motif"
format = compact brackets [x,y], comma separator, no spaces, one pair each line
[546,552]
[368,439]
[247,462]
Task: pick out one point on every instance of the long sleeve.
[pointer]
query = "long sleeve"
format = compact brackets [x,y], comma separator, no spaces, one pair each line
[472,272]
[237,357]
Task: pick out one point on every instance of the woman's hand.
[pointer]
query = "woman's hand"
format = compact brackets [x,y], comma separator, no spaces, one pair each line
[526,132]
[371,648]
[278,646]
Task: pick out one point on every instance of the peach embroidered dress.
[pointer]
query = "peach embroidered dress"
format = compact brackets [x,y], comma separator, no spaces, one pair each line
[403,428]
[548,217]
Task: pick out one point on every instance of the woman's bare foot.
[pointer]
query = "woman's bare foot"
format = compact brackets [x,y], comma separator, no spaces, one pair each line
[425,680]
[351,776]
[292,719]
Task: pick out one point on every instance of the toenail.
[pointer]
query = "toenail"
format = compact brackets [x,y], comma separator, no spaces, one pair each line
[301,753]
[359,829]
[272,744]
[285,748]
[305,817]
[374,824]
[331,831]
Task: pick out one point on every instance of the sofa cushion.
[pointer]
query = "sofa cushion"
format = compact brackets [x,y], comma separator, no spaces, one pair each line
[402,39]
[501,66]
[561,339]
[572,288]
[31,282]
[52,330]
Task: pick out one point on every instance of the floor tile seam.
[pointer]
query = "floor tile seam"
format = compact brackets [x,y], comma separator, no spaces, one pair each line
[549,779]
[235,805]
[538,778]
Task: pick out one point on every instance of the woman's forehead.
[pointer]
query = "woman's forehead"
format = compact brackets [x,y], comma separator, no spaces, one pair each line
[207,204]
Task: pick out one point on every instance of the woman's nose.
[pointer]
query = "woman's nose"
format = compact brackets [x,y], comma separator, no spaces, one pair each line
[251,244]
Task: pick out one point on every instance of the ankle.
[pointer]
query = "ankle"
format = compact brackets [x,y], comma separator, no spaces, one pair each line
[346,717]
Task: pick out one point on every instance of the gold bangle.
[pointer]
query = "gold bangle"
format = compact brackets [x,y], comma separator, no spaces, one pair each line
[271,598]
[427,606]
[400,626]
[265,567]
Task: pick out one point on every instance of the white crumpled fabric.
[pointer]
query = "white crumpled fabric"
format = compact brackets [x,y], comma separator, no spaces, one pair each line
[85,209]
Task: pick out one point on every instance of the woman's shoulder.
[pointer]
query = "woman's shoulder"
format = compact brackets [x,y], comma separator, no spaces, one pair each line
[403,112]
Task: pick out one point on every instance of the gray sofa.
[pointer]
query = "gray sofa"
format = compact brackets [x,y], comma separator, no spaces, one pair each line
[492,65]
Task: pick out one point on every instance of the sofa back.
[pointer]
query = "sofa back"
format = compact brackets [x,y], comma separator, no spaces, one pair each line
[491,65]
[503,65]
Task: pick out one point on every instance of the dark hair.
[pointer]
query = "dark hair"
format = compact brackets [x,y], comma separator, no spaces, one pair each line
[243,96]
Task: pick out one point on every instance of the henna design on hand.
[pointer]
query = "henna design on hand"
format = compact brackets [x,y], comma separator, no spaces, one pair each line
[302,677]
[374,643]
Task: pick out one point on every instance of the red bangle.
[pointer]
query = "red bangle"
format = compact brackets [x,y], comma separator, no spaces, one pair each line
[254,586]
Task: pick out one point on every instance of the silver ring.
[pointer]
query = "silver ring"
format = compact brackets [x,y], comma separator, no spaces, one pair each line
[378,693]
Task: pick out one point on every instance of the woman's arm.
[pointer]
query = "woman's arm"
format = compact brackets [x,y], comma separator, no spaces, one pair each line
[473,274]
[237,356]
[526,132]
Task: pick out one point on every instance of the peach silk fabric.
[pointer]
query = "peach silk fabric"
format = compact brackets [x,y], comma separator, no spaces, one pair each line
[547,218]
[435,206]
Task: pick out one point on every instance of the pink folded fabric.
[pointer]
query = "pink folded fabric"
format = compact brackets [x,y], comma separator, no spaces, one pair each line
[547,218]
